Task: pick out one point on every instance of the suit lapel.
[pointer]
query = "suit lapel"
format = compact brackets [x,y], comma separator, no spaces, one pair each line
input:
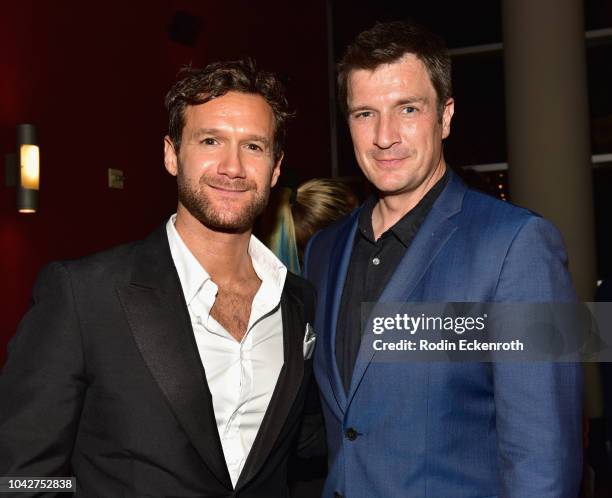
[159,320]
[286,389]
[431,237]
[338,267]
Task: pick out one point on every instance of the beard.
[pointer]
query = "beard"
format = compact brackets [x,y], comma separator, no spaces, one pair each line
[233,217]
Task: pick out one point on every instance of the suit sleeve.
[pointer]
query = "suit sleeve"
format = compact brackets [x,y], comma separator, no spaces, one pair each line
[307,258]
[43,383]
[307,271]
[538,405]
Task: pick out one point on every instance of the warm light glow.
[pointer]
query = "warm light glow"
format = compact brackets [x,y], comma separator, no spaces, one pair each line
[27,210]
[30,167]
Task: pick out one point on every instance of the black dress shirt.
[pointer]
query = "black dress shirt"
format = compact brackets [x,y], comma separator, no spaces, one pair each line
[371,266]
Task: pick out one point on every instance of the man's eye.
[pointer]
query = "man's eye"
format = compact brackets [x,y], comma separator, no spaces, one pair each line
[208,141]
[362,114]
[254,147]
[409,110]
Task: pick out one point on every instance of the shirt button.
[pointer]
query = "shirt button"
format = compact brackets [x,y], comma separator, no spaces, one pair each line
[376,261]
[351,434]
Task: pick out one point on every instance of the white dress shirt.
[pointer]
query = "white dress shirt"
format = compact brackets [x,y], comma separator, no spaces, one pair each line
[242,375]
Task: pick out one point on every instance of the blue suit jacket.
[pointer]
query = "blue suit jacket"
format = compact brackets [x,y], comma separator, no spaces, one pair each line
[452,430]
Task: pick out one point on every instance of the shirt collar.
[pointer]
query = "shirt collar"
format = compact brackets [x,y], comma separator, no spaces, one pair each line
[191,273]
[272,273]
[404,229]
[193,276]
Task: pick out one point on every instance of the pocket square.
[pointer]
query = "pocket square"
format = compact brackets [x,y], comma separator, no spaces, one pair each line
[309,341]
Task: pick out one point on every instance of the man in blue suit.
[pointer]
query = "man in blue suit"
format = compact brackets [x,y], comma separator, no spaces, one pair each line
[439,430]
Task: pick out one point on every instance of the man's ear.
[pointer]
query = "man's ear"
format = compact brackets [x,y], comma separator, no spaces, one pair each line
[277,169]
[170,159]
[447,116]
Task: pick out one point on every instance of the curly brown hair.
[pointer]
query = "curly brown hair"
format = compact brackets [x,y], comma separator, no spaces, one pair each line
[198,86]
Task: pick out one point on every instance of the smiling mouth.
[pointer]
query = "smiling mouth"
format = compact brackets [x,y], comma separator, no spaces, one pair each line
[228,190]
[390,161]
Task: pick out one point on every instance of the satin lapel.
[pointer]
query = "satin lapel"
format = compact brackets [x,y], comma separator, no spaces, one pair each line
[286,389]
[338,266]
[431,237]
[160,323]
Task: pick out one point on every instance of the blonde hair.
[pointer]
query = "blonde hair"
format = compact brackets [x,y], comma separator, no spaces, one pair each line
[293,216]
[281,237]
[318,203]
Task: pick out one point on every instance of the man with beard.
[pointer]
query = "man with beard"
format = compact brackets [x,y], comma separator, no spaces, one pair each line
[178,365]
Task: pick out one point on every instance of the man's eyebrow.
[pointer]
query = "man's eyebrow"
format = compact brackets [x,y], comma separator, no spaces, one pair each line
[216,131]
[257,138]
[359,108]
[404,101]
[205,131]
[413,100]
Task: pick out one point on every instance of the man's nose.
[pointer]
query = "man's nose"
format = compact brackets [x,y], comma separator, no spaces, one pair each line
[231,164]
[387,132]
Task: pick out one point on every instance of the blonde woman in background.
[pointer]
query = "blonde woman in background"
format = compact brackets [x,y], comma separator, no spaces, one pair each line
[299,213]
[293,216]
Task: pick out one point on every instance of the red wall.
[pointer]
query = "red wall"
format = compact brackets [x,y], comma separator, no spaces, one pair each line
[91,76]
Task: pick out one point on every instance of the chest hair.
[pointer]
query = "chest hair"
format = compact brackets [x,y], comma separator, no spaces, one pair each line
[232,307]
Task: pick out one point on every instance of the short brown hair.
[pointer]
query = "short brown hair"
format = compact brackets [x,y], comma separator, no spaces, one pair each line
[386,43]
[198,86]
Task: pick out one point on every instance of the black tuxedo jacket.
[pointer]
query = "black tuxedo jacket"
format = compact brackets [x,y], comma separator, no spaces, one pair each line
[104,381]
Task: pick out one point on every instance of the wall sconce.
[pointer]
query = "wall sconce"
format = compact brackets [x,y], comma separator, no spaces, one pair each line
[23,169]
